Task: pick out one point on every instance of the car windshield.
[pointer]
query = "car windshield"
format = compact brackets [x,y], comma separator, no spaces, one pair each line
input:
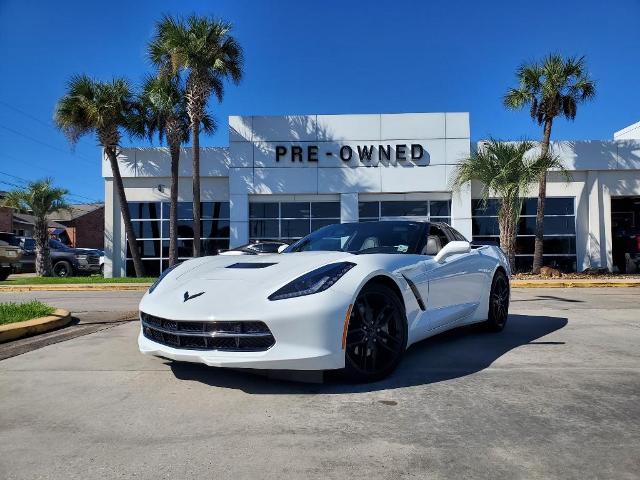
[29,244]
[364,238]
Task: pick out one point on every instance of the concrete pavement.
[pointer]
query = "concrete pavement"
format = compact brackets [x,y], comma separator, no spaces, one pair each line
[556,395]
[91,311]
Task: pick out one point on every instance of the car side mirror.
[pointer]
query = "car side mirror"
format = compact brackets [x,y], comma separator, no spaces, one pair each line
[452,248]
[282,248]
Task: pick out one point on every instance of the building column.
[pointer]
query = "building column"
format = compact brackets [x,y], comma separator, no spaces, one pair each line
[461,210]
[239,219]
[349,207]
[606,235]
[595,244]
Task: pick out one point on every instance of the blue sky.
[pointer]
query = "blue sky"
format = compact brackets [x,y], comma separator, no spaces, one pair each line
[315,57]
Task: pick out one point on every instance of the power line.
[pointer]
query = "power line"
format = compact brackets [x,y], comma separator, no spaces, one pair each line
[28,137]
[48,124]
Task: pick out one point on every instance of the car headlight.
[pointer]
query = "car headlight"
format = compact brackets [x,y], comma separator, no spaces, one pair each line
[155,284]
[82,257]
[313,282]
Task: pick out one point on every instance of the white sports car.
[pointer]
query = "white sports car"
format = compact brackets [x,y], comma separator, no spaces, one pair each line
[349,296]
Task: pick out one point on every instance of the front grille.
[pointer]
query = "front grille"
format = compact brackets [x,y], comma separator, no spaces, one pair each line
[93,260]
[250,336]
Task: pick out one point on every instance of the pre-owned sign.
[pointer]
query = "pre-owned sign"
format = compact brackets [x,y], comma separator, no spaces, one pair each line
[364,153]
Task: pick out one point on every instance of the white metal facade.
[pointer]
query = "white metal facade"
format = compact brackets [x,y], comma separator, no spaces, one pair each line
[253,169]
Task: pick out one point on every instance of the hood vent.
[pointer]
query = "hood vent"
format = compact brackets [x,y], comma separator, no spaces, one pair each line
[250,265]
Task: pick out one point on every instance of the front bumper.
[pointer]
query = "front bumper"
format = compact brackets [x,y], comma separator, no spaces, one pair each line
[88,268]
[308,336]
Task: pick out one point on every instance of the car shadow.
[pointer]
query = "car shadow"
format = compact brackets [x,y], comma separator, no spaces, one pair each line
[454,354]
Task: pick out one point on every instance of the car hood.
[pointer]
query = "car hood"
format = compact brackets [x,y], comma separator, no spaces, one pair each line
[218,280]
[258,268]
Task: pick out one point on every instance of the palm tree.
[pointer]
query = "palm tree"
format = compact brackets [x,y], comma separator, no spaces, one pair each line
[551,88]
[40,198]
[204,48]
[164,104]
[105,109]
[506,170]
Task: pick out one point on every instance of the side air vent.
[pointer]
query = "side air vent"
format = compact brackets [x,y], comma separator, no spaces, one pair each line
[251,265]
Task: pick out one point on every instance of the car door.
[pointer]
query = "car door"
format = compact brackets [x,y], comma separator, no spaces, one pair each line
[454,285]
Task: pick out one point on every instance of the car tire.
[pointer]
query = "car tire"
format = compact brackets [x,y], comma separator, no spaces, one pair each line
[62,269]
[376,336]
[4,274]
[102,270]
[498,303]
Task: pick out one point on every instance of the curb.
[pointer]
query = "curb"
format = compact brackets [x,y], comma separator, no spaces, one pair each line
[12,331]
[572,284]
[80,287]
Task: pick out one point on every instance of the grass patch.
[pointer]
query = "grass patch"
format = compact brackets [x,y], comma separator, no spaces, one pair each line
[73,280]
[11,312]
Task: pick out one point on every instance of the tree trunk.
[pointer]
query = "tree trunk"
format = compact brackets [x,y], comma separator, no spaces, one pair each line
[507,223]
[43,257]
[542,195]
[173,212]
[195,132]
[124,210]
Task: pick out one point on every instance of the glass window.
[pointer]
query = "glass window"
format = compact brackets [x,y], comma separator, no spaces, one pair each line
[215,228]
[325,210]
[479,208]
[369,209]
[485,226]
[185,229]
[146,229]
[552,225]
[151,227]
[288,221]
[559,231]
[144,210]
[214,210]
[264,210]
[294,228]
[438,208]
[295,210]
[529,206]
[212,246]
[147,248]
[151,268]
[551,245]
[404,209]
[264,229]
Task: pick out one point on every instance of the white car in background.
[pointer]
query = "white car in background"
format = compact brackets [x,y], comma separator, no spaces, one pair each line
[349,296]
[258,247]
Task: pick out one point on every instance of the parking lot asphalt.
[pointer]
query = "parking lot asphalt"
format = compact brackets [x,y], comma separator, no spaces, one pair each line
[556,395]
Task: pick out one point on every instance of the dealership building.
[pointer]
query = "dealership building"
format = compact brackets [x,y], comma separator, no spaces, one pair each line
[284,176]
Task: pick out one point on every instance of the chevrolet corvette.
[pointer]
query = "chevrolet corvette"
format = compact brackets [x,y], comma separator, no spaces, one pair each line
[350,297]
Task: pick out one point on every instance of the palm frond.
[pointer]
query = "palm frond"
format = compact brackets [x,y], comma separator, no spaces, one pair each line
[555,86]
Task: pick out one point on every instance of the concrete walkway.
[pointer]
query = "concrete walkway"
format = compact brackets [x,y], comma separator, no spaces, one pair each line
[556,395]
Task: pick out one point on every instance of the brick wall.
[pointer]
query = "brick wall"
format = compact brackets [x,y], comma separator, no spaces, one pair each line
[6,219]
[89,230]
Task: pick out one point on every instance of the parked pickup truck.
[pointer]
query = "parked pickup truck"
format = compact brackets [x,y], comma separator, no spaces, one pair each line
[10,256]
[65,261]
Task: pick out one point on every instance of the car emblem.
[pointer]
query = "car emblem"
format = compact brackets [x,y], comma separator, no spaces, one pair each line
[189,297]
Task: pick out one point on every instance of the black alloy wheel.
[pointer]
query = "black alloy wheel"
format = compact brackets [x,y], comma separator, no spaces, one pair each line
[377,334]
[498,302]
[62,269]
